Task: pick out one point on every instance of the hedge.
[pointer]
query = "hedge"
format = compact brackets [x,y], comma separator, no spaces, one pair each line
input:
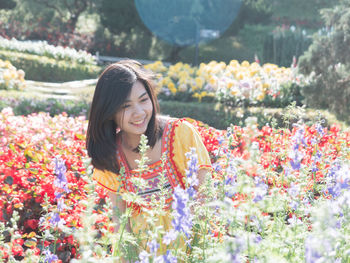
[41,68]
[209,113]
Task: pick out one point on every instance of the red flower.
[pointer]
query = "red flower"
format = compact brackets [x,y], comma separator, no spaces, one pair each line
[17,250]
[31,223]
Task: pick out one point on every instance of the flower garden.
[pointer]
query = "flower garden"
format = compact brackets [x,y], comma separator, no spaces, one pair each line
[276,194]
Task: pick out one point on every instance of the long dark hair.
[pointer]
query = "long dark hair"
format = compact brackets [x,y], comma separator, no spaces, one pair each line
[112,89]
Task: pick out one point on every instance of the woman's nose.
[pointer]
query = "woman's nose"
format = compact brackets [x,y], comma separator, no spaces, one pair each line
[138,109]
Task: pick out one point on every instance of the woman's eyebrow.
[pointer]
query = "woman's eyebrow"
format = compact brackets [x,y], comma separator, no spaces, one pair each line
[143,94]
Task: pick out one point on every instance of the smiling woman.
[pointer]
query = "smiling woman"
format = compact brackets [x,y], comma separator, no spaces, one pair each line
[124,107]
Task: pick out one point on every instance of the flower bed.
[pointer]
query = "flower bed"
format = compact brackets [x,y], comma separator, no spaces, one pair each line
[232,84]
[42,48]
[275,194]
[10,77]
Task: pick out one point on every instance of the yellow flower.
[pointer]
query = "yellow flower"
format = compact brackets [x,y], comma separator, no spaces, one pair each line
[8,64]
[253,72]
[194,87]
[266,86]
[171,87]
[233,92]
[7,75]
[234,63]
[230,84]
[165,81]
[204,93]
[240,75]
[212,81]
[261,96]
[199,82]
[245,64]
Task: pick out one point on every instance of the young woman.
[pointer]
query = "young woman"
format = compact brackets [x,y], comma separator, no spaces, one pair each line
[123,108]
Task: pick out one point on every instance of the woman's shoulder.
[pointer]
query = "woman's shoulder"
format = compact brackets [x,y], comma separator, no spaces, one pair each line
[165,119]
[176,127]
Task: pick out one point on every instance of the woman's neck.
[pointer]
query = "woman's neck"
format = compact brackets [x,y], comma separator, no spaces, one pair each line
[130,141]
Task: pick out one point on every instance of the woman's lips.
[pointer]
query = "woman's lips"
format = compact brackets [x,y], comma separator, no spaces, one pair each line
[138,123]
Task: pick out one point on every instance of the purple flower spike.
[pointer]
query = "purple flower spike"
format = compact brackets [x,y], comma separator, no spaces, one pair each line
[49,257]
[192,171]
[61,179]
[144,257]
[169,237]
[182,221]
[153,246]
[169,258]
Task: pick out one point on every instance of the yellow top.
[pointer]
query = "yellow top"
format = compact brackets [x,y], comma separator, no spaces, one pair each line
[178,138]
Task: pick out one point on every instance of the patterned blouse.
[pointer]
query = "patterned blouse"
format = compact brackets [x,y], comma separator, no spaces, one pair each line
[179,136]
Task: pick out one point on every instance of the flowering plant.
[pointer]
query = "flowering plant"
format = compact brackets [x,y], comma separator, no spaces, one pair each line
[10,77]
[231,84]
[42,48]
[272,195]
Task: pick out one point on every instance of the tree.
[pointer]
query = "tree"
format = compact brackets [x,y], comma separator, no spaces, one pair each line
[328,62]
[120,16]
[306,13]
[7,4]
[64,13]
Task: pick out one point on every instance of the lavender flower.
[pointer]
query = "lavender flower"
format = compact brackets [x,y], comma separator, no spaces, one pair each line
[169,237]
[56,220]
[217,167]
[294,205]
[295,155]
[182,221]
[311,253]
[319,129]
[61,179]
[296,158]
[169,258]
[236,248]
[49,257]
[338,179]
[260,190]
[144,257]
[153,246]
[293,190]
[192,171]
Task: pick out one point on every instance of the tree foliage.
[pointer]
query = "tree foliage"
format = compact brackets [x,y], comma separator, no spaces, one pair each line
[7,4]
[303,12]
[61,13]
[119,16]
[328,61]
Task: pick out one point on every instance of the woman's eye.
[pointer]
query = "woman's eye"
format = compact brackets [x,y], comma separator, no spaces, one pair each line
[126,106]
[145,99]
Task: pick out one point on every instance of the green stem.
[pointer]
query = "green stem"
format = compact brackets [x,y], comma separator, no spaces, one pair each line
[123,226]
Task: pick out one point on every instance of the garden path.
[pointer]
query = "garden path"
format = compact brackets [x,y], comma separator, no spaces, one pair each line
[72,90]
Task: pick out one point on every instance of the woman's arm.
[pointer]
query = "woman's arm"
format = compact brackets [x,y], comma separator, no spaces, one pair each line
[118,204]
[201,175]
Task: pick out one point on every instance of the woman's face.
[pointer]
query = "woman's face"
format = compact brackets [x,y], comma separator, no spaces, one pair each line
[134,115]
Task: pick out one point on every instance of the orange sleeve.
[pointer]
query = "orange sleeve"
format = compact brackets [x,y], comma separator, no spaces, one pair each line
[185,138]
[108,180]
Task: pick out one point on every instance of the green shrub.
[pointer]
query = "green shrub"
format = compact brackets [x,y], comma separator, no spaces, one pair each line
[210,113]
[27,105]
[42,68]
[327,62]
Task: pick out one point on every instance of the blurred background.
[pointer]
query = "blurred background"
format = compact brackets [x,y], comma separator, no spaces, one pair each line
[268,30]
[235,54]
